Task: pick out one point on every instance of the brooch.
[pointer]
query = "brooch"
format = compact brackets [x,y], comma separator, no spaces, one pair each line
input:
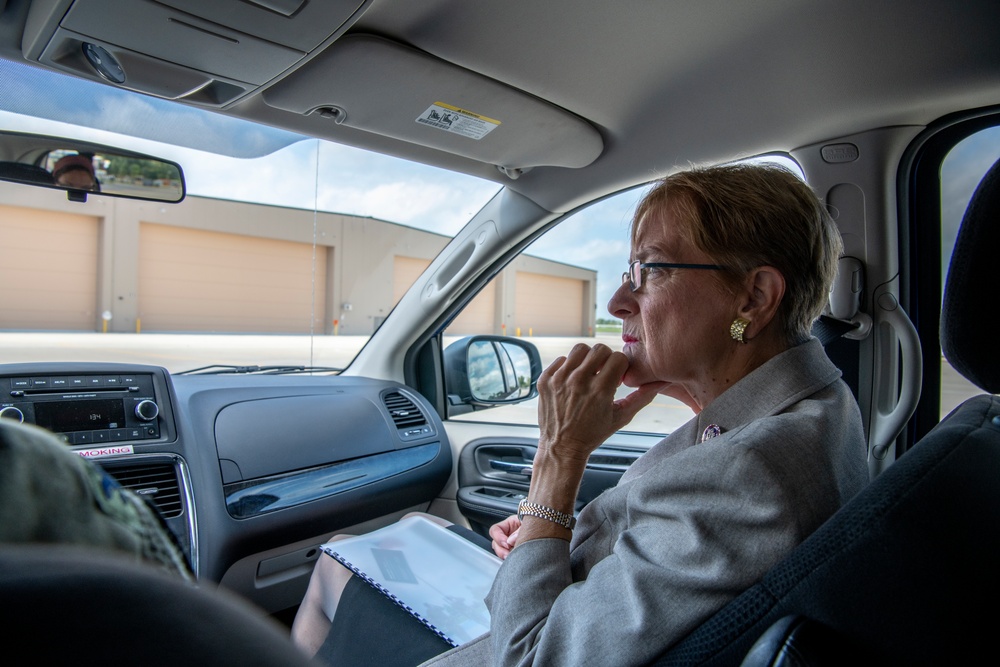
[710,432]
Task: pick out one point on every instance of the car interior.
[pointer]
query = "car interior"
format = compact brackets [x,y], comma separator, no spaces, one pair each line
[558,107]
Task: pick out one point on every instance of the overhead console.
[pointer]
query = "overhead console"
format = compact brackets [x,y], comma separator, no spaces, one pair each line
[208,53]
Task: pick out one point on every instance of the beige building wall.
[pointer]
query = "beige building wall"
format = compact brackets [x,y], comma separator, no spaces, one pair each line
[192,280]
[128,260]
[547,305]
[48,269]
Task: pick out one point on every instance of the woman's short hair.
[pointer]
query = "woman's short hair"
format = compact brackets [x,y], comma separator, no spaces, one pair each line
[757,214]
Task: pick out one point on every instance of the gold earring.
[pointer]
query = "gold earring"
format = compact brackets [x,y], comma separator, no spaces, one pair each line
[737,328]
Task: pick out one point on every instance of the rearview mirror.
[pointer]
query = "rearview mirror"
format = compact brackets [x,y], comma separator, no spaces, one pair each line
[483,371]
[82,168]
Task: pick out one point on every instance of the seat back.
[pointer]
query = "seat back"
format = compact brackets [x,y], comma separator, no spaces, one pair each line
[906,572]
[73,605]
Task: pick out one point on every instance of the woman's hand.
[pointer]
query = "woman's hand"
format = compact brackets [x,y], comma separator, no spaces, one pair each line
[504,535]
[577,410]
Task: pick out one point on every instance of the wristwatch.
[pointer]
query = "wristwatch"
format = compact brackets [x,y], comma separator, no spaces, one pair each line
[528,508]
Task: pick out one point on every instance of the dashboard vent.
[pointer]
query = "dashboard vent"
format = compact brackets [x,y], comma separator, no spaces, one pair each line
[155,481]
[403,411]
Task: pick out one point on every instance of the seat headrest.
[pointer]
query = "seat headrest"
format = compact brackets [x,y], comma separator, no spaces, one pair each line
[968,340]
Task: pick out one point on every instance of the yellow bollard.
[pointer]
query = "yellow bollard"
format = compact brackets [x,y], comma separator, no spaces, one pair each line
[517,332]
[104,327]
[138,325]
[529,332]
[336,327]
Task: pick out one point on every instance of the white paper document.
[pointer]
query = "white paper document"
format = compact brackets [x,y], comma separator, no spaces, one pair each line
[433,573]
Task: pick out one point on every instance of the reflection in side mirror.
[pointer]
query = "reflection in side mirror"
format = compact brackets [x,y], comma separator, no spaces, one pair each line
[83,168]
[498,371]
[483,371]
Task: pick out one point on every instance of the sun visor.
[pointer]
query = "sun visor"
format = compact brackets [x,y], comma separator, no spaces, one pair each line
[376,85]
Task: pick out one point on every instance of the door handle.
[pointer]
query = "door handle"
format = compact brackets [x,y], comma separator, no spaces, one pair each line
[510,467]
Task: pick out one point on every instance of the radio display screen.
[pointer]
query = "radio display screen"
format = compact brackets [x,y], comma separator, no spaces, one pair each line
[87,415]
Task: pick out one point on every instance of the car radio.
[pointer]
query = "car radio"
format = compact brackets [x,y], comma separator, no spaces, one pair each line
[95,408]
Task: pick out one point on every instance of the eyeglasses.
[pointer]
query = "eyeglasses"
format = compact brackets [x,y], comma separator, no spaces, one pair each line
[637,270]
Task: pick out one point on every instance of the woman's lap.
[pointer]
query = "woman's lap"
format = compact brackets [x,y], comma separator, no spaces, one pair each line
[370,629]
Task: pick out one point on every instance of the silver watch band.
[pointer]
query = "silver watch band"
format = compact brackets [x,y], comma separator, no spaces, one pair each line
[528,508]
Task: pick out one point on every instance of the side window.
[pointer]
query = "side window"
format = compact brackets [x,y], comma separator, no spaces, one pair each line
[556,294]
[961,171]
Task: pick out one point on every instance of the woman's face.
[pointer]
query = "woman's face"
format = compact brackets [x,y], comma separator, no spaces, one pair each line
[676,326]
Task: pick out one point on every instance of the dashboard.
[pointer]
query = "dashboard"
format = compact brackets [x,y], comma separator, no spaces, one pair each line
[250,472]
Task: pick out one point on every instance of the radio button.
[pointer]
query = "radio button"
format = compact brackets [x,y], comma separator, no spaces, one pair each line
[112,381]
[117,434]
[20,383]
[59,383]
[77,382]
[102,436]
[147,410]
[81,438]
[12,413]
[39,382]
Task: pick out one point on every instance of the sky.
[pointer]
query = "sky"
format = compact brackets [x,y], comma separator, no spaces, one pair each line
[280,168]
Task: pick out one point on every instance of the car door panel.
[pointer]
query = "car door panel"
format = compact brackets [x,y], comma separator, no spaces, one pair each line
[494,468]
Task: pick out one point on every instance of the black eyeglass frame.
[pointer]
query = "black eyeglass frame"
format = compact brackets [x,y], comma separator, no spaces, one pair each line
[636,267]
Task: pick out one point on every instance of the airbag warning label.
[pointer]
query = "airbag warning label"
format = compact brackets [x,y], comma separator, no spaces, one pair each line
[452,119]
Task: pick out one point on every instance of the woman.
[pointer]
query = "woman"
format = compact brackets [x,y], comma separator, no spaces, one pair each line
[730,266]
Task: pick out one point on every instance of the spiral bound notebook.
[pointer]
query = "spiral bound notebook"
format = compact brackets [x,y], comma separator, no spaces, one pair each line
[431,572]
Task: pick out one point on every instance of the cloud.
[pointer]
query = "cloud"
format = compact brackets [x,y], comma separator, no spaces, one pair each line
[94,106]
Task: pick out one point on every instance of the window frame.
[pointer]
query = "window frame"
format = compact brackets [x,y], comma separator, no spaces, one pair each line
[919,190]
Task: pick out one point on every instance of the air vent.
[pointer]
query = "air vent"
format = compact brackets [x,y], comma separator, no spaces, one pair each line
[403,411]
[155,481]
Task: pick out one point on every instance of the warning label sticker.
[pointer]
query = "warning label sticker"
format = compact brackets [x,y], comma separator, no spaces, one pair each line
[452,119]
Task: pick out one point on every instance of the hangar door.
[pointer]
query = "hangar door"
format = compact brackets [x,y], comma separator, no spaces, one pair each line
[475,318]
[51,258]
[548,305]
[195,280]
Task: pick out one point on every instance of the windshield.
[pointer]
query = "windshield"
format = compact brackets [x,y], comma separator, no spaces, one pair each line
[287,251]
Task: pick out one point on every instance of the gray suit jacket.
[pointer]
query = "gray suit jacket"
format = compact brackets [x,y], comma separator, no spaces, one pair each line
[691,524]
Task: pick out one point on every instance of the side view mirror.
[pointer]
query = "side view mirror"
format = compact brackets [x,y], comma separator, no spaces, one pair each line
[81,168]
[485,371]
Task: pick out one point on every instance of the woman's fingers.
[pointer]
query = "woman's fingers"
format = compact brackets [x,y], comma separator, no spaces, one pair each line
[504,535]
[576,408]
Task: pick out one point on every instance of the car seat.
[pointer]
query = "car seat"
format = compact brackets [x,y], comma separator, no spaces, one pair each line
[25,173]
[75,605]
[906,572]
